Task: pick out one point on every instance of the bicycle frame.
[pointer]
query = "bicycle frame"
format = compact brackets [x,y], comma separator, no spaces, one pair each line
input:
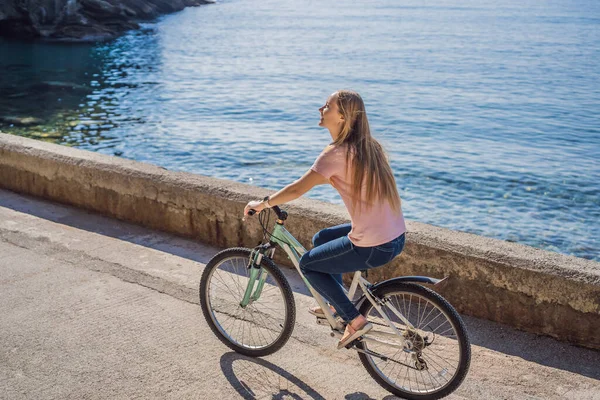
[295,250]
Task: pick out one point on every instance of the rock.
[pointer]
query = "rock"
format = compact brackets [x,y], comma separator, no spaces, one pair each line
[81,20]
[17,95]
[50,135]
[56,86]
[21,121]
[17,67]
[100,7]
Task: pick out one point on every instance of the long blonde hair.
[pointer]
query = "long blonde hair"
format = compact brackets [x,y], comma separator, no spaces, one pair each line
[370,165]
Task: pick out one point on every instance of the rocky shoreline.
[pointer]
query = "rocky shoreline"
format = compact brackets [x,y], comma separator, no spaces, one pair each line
[81,20]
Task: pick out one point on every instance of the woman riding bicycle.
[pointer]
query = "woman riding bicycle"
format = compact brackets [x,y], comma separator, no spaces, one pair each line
[356,166]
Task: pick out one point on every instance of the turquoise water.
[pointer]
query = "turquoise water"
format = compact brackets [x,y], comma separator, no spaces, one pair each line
[490,110]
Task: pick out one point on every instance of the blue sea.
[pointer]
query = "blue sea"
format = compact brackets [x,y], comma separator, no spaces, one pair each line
[489,110]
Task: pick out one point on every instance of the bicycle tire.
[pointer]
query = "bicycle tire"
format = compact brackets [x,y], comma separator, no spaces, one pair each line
[460,343]
[275,278]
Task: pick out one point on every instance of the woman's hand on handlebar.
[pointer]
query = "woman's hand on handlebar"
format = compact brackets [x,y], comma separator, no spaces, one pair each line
[257,206]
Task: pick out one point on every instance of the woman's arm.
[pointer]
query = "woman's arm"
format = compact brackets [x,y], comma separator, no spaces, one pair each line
[291,192]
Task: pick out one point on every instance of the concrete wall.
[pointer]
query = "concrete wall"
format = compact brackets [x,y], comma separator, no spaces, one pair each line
[531,289]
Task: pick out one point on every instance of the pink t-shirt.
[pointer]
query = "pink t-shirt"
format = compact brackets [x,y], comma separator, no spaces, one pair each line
[370,227]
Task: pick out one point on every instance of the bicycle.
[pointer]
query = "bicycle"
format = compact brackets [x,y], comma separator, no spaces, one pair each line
[418,337]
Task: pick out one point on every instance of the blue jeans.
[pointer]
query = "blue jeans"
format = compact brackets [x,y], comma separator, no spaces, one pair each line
[333,253]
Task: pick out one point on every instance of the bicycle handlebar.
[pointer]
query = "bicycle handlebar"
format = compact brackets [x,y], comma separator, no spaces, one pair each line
[282,215]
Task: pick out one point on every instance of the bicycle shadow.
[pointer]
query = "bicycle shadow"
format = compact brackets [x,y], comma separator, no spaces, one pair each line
[364,396]
[257,378]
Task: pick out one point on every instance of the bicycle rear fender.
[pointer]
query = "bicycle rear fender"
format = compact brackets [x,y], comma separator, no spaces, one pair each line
[416,279]
[412,279]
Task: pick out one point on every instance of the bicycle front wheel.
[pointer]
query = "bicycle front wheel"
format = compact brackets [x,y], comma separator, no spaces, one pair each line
[428,355]
[264,325]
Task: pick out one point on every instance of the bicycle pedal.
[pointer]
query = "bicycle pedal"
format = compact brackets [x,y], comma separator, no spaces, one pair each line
[353,343]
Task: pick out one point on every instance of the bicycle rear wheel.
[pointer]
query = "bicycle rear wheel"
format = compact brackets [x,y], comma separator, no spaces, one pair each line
[436,354]
[265,324]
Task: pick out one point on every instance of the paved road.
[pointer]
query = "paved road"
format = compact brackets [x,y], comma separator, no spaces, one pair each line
[93,308]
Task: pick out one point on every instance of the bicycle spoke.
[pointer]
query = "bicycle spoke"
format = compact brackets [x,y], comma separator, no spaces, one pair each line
[432,337]
[255,326]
